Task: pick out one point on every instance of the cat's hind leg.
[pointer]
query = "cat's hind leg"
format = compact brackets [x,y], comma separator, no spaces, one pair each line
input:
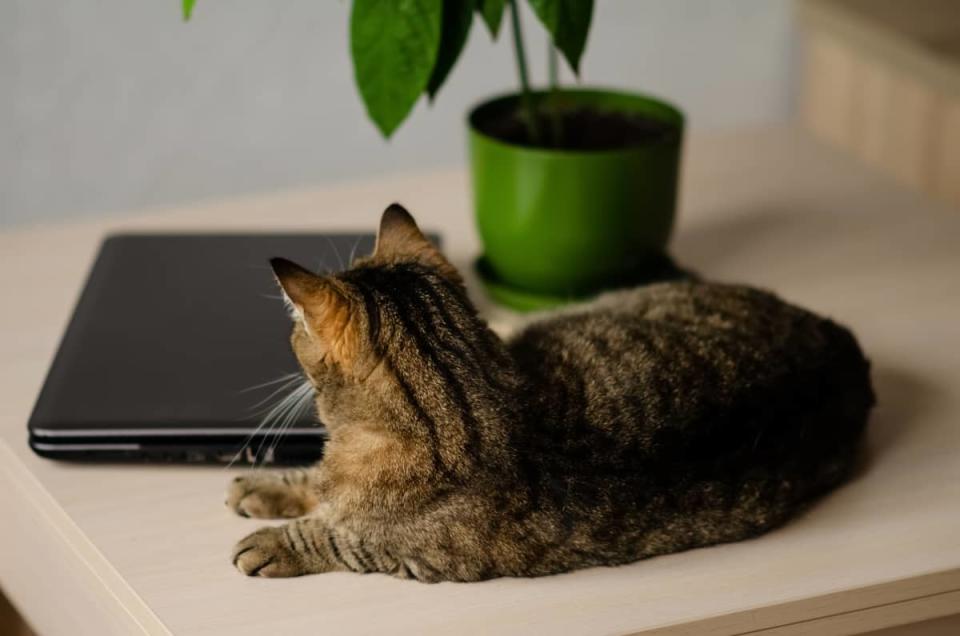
[273,494]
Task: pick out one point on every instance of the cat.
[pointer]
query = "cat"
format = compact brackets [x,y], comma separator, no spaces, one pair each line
[654,420]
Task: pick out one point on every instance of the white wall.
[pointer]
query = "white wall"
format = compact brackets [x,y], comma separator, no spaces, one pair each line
[114,105]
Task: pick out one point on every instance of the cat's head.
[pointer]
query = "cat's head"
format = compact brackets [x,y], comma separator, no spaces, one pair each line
[355,329]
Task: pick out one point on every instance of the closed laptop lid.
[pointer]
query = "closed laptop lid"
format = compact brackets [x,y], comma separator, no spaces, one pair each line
[181,334]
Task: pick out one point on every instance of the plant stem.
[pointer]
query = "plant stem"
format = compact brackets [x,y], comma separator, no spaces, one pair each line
[556,122]
[553,65]
[530,111]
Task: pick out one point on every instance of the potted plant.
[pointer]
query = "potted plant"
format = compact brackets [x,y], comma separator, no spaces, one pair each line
[574,190]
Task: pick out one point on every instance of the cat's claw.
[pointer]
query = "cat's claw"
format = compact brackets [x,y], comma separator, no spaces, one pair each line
[264,553]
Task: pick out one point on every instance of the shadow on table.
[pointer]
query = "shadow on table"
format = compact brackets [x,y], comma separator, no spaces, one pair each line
[902,399]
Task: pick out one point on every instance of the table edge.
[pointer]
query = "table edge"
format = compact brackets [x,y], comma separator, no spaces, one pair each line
[109,604]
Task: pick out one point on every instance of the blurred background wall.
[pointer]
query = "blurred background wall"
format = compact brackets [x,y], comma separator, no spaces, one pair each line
[110,106]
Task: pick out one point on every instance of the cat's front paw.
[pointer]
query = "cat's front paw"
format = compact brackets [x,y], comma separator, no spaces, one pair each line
[269,496]
[267,553]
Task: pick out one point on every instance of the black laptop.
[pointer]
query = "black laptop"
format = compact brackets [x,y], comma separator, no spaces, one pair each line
[178,350]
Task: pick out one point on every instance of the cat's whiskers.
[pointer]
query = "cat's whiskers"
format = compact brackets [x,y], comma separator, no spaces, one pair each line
[282,416]
[287,381]
[336,252]
[288,385]
[353,251]
[302,408]
[283,378]
[278,412]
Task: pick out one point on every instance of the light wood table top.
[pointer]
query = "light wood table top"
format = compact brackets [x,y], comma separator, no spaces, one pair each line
[99,549]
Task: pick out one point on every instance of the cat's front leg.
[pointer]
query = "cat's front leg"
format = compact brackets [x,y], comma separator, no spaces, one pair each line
[274,494]
[307,546]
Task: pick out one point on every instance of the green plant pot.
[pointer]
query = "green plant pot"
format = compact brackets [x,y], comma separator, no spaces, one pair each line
[558,224]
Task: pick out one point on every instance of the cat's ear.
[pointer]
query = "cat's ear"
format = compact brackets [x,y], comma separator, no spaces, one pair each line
[399,239]
[315,301]
[299,284]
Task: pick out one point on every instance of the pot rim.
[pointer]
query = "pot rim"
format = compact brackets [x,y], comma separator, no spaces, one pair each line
[668,113]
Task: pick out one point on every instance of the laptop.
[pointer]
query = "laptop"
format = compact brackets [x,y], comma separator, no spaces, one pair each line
[178,351]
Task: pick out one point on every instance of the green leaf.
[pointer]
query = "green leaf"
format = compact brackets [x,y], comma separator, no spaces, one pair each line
[492,13]
[188,9]
[457,19]
[394,44]
[568,22]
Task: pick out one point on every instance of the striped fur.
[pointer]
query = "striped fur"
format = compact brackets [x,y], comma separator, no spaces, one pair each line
[654,420]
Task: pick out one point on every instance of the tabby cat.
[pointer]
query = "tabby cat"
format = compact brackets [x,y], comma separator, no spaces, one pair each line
[653,420]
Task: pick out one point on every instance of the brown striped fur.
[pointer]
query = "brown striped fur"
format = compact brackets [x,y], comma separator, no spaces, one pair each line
[653,420]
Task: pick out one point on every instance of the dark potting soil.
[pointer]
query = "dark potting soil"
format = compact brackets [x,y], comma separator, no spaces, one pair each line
[579,129]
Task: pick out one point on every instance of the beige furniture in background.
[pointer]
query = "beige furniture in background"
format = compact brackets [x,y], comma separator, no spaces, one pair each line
[881,79]
[100,549]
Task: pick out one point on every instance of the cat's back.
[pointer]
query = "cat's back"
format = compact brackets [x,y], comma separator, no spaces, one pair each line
[680,327]
[653,366]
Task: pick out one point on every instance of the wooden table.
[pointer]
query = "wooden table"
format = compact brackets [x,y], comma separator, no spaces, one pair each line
[121,550]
